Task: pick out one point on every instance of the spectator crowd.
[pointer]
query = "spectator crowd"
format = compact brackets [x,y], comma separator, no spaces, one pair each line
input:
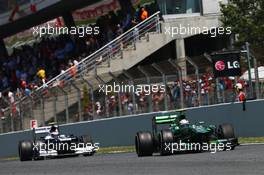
[29,66]
[226,87]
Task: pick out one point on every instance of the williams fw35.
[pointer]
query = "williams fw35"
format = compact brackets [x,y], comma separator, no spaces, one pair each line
[47,142]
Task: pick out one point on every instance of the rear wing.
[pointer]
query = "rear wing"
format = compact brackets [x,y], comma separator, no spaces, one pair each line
[167,119]
[42,130]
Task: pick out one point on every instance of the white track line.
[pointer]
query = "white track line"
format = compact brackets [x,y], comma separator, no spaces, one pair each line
[248,144]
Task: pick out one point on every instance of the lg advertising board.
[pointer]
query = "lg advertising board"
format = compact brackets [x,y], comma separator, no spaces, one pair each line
[226,64]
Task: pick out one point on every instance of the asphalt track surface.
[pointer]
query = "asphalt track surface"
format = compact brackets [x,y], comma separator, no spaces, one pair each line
[245,160]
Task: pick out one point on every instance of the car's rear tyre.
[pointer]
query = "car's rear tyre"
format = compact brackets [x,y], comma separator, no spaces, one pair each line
[166,141]
[25,150]
[87,140]
[144,144]
[226,131]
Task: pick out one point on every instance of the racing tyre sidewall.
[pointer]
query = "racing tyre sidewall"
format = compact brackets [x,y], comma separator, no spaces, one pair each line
[165,141]
[144,144]
[25,149]
[226,131]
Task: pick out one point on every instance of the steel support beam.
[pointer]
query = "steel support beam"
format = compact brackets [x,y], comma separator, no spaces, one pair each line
[179,71]
[159,69]
[119,93]
[146,74]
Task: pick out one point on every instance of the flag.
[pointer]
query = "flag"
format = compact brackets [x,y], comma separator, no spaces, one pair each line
[13,13]
[33,6]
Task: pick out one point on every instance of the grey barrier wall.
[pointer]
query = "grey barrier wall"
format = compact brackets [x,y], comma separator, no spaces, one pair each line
[120,131]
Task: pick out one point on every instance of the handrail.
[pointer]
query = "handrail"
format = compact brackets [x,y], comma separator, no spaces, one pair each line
[102,48]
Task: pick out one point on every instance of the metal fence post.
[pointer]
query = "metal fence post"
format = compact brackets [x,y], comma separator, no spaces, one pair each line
[91,93]
[31,107]
[197,77]
[54,99]
[8,103]
[257,88]
[179,71]
[11,116]
[249,70]
[119,94]
[79,100]
[20,114]
[66,103]
[158,24]
[42,107]
[208,57]
[141,69]
[158,68]
[100,80]
[109,55]
[131,82]
[1,123]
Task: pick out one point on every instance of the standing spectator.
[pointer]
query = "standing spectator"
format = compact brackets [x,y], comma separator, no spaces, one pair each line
[241,95]
[11,99]
[130,108]
[73,70]
[119,30]
[42,75]
[127,23]
[137,14]
[144,14]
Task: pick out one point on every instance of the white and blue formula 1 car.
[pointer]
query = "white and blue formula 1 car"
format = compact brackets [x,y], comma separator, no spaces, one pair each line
[54,144]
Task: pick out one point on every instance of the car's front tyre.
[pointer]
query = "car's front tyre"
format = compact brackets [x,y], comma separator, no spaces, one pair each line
[87,140]
[226,131]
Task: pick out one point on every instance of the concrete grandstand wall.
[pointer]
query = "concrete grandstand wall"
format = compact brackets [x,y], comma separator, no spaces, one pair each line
[120,131]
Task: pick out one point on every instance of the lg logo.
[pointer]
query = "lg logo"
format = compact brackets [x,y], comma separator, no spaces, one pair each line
[220,65]
[234,65]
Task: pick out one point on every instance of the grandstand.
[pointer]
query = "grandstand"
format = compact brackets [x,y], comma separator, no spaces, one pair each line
[136,53]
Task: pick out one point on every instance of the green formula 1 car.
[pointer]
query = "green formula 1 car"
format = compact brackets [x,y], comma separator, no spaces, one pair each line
[173,133]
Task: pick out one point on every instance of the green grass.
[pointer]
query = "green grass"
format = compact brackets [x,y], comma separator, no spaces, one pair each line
[9,159]
[251,140]
[121,149]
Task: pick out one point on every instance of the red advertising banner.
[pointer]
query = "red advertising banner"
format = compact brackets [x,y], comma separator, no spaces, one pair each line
[101,8]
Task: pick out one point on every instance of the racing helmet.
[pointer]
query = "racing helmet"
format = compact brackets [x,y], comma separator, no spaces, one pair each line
[54,131]
[184,122]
